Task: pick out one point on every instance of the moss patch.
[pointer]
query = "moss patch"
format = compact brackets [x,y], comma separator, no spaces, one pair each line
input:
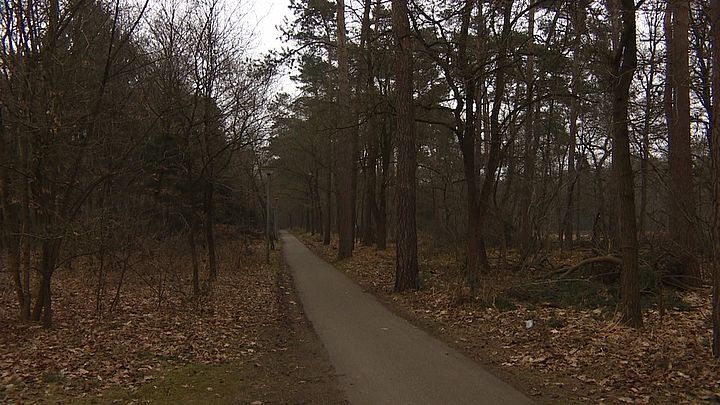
[191,384]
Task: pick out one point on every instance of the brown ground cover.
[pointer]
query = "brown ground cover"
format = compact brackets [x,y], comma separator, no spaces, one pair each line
[245,340]
[576,351]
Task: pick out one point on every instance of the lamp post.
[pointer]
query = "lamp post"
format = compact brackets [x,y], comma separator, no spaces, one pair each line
[267,171]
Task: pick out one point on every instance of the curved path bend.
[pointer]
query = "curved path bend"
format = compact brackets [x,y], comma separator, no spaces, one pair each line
[380,358]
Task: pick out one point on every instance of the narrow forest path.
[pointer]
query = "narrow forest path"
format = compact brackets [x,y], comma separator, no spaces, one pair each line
[381,358]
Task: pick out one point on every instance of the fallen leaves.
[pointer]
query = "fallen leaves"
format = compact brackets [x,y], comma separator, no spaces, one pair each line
[90,351]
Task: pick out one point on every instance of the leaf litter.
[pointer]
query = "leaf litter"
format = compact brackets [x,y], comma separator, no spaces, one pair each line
[570,354]
[240,320]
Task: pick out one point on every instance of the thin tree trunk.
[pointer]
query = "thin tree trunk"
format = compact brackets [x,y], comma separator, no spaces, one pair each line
[528,177]
[382,191]
[370,187]
[43,307]
[46,292]
[100,288]
[575,105]
[494,151]
[27,246]
[365,85]
[25,241]
[311,207]
[15,265]
[327,229]
[318,224]
[209,231]
[194,255]
[647,121]
[121,282]
[465,127]
[40,301]
[363,106]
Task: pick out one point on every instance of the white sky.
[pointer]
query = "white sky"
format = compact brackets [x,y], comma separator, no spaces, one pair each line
[266,16]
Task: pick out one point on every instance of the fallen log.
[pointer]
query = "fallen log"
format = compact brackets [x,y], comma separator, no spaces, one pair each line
[567,270]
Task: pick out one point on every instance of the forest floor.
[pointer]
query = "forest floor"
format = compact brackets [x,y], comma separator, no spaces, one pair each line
[245,342]
[575,351]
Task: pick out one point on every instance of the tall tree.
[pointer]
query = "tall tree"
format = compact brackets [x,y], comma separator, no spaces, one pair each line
[529,149]
[451,51]
[649,114]
[465,131]
[496,129]
[715,38]
[578,22]
[406,266]
[346,145]
[677,103]
[365,84]
[623,69]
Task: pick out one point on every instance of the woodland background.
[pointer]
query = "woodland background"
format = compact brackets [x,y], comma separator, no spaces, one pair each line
[508,131]
[552,153]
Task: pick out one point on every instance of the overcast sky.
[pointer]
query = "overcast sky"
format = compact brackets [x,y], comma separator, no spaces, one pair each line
[267,15]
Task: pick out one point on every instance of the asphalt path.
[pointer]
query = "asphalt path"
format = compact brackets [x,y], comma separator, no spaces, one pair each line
[379,357]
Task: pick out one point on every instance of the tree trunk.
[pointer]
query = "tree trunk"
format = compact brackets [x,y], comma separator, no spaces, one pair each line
[365,84]
[579,16]
[406,265]
[625,62]
[528,178]
[715,29]
[327,226]
[194,255]
[677,93]
[369,195]
[311,207]
[318,224]
[209,231]
[382,191]
[46,296]
[43,305]
[465,127]
[646,129]
[27,246]
[345,178]
[493,162]
[15,267]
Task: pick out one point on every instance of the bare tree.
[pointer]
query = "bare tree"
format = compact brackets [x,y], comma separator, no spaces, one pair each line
[527,239]
[579,28]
